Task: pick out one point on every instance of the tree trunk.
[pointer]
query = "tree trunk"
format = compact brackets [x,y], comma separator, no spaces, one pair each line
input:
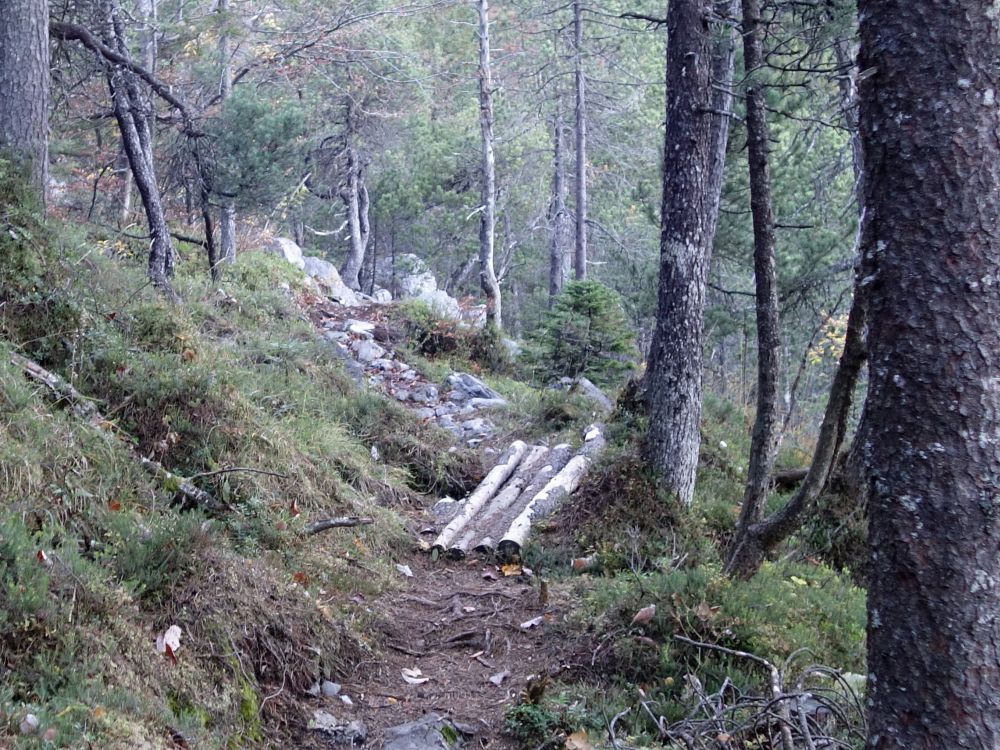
[559,258]
[355,197]
[580,252]
[764,439]
[489,487]
[133,121]
[695,136]
[931,236]
[758,539]
[227,216]
[24,85]
[487,218]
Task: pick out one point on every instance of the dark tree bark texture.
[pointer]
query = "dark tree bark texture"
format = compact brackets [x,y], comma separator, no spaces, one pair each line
[689,214]
[24,84]
[764,439]
[929,124]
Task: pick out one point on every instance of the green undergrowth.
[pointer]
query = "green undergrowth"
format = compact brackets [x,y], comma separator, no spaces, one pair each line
[233,390]
[638,547]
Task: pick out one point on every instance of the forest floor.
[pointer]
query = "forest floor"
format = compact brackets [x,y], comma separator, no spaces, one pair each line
[462,639]
[475,635]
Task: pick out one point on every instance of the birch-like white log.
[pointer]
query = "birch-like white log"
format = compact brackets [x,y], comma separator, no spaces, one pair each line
[556,459]
[561,486]
[506,497]
[480,496]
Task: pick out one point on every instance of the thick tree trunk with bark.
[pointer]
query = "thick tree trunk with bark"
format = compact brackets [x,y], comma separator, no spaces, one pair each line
[764,439]
[24,84]
[695,131]
[487,217]
[559,257]
[932,263]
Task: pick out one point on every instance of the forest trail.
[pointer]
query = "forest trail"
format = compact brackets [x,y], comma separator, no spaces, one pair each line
[461,639]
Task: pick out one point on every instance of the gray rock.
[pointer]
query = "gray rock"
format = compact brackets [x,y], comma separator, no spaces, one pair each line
[410,273]
[443,409]
[478,426]
[367,351]
[382,295]
[330,689]
[587,389]
[328,278]
[446,421]
[464,387]
[337,732]
[360,328]
[486,403]
[426,733]
[425,394]
[440,302]
[354,370]
[408,375]
[288,250]
[385,365]
[424,413]
[402,394]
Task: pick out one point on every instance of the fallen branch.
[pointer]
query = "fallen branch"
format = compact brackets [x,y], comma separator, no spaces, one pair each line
[336,523]
[235,469]
[61,392]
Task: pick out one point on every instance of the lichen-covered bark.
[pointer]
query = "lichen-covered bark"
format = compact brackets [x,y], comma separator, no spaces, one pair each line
[24,83]
[691,184]
[929,125]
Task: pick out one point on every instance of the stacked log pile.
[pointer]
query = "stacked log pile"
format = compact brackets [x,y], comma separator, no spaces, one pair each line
[527,484]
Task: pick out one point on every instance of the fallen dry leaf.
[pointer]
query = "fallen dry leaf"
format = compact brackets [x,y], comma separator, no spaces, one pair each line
[414,676]
[170,642]
[644,615]
[578,741]
[512,569]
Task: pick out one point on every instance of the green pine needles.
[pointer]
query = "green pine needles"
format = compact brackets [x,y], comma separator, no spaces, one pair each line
[587,334]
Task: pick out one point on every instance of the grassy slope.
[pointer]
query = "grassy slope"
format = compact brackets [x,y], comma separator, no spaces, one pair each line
[233,378]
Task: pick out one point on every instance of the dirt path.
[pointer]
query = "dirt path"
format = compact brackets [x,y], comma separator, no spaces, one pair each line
[459,630]
[460,623]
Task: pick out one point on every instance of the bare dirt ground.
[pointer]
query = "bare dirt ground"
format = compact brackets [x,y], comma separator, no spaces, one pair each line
[459,630]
